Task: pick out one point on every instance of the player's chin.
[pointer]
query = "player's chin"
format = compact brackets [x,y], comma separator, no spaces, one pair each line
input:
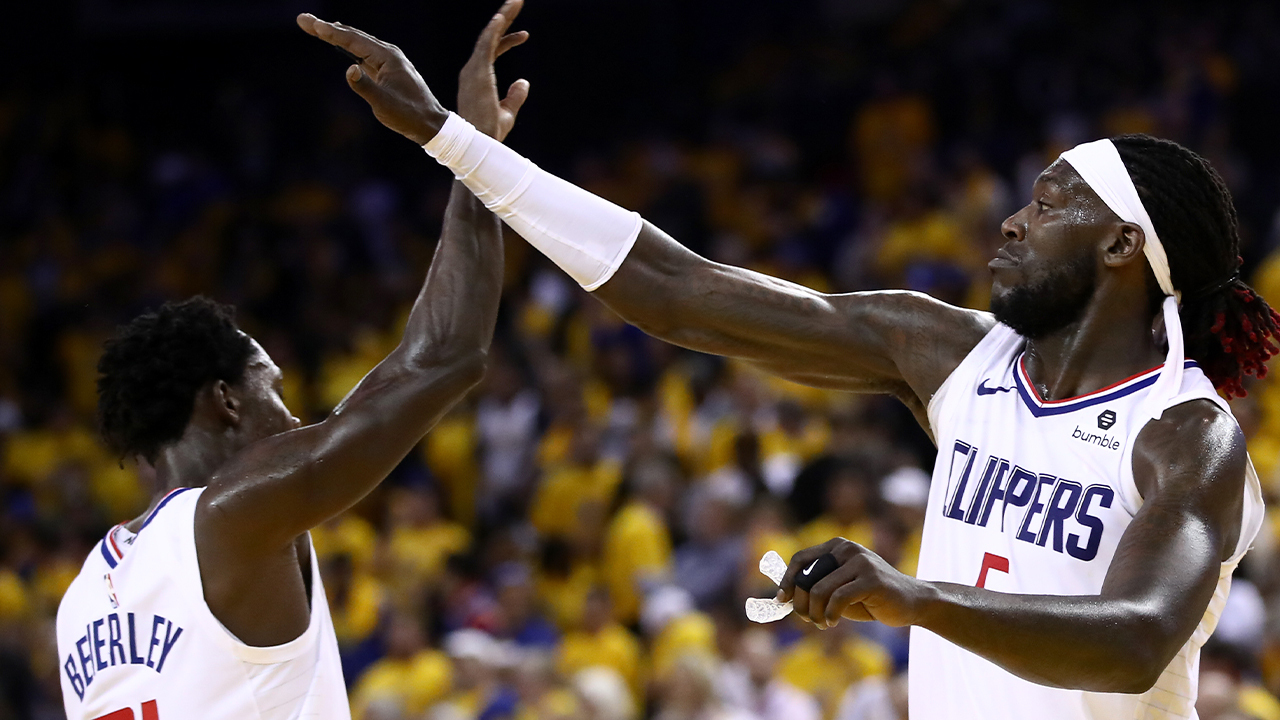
[1001,289]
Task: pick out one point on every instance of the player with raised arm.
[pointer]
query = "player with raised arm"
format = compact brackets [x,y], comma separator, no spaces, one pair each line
[1092,493]
[210,605]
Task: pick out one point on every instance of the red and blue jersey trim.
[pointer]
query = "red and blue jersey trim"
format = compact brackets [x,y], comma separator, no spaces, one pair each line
[111,551]
[1043,408]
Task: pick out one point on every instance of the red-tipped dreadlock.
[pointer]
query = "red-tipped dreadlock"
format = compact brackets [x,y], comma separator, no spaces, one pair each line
[1228,328]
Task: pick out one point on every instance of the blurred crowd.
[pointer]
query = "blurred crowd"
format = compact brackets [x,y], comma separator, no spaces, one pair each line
[577,538]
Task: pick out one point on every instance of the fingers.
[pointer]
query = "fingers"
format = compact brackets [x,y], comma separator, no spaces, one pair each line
[858,612]
[516,96]
[846,601]
[509,41]
[371,50]
[799,561]
[489,44]
[821,594]
[360,82]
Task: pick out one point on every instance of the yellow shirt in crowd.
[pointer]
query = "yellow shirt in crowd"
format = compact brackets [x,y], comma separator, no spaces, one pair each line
[565,488]
[614,646]
[636,546]
[417,682]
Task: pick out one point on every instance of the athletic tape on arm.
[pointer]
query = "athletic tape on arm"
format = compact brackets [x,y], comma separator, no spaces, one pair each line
[1099,164]
[587,236]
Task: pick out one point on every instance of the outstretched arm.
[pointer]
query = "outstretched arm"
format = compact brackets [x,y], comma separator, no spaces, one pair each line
[1190,468]
[896,342]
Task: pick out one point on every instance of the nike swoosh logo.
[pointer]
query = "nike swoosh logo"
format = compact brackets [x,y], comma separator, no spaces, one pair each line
[811,565]
[984,390]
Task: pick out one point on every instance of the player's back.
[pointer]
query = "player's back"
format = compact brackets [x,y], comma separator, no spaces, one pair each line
[136,639]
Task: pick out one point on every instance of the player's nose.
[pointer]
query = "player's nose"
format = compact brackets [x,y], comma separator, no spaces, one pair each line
[1013,228]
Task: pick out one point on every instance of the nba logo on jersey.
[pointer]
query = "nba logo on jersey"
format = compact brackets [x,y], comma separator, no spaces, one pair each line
[111,592]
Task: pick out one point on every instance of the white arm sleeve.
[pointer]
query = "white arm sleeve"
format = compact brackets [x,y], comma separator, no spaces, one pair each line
[587,236]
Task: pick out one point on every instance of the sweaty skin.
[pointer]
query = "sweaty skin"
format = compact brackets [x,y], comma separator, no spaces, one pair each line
[1189,465]
[269,480]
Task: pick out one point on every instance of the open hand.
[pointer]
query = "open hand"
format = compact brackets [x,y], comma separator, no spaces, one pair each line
[385,79]
[478,99]
[862,587]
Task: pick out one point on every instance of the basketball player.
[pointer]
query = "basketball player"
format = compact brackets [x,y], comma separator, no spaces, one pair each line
[210,605]
[1092,493]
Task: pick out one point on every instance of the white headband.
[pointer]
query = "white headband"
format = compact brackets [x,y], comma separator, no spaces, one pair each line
[1099,163]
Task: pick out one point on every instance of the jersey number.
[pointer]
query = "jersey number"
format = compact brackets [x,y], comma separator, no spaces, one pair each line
[991,561]
[149,712]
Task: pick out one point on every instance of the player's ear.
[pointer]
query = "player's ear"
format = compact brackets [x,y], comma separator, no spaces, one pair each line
[225,403]
[1124,245]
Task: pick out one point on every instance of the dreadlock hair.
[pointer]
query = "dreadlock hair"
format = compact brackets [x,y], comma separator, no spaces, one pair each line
[1228,328]
[151,370]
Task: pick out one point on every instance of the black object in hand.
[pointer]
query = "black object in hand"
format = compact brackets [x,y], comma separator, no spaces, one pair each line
[817,570]
[348,55]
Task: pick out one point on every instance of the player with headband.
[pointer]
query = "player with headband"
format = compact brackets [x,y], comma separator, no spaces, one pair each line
[1092,493]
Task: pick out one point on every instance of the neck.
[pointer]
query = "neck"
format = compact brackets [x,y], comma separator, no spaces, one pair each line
[191,461]
[1111,341]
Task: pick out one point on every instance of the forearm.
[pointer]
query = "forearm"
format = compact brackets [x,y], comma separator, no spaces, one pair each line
[1083,642]
[1161,579]
[441,355]
[457,307]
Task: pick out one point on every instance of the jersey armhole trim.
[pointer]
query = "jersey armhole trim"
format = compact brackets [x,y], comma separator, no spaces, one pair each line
[216,631]
[998,333]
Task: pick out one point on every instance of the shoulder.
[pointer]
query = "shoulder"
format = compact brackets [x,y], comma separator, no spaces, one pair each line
[926,337]
[1195,447]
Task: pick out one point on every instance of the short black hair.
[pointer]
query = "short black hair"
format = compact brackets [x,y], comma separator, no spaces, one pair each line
[151,370]
[1228,328]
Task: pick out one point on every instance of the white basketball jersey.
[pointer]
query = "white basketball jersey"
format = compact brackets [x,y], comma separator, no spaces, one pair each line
[136,640]
[1031,497]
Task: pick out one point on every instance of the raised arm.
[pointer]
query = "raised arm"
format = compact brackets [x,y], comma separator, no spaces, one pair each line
[286,484]
[1190,468]
[895,342]
[272,491]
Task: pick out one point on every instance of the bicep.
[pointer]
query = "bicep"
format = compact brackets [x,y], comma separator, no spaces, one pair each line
[1190,465]
[862,342]
[281,486]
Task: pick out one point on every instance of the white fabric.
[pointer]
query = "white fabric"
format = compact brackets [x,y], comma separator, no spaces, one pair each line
[587,236]
[149,608]
[1099,164]
[1046,490]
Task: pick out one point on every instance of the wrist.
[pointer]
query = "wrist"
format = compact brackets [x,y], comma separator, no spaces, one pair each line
[433,119]
[930,603]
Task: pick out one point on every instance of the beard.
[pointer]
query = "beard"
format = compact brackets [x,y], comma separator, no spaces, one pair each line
[1048,303]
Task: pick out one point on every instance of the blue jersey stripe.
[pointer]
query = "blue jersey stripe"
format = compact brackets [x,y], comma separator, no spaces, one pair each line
[175,493]
[106,553]
[1039,410]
